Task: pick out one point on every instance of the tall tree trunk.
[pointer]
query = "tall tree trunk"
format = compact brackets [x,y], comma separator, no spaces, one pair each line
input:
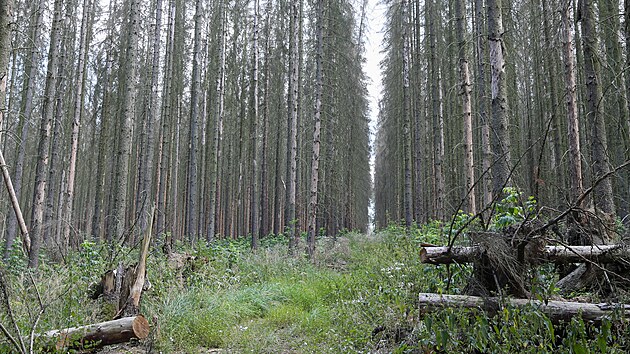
[319,85]
[152,118]
[218,134]
[292,131]
[555,148]
[254,190]
[264,193]
[438,118]
[500,135]
[79,85]
[195,93]
[39,195]
[408,193]
[469,162]
[26,109]
[603,192]
[482,103]
[6,15]
[615,100]
[573,124]
[166,143]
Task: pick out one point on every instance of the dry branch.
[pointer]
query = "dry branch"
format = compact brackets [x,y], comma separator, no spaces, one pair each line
[26,239]
[97,335]
[550,254]
[556,310]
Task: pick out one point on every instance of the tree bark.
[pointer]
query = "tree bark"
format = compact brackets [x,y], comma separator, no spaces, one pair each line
[499,136]
[255,202]
[465,86]
[557,311]
[218,134]
[603,193]
[293,129]
[26,109]
[26,242]
[480,34]
[437,112]
[573,123]
[312,216]
[550,254]
[79,85]
[408,190]
[97,335]
[128,93]
[39,195]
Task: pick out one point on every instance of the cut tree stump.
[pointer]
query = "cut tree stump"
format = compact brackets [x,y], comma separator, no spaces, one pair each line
[550,254]
[97,335]
[557,311]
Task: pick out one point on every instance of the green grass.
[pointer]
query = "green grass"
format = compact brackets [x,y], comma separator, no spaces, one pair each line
[358,296]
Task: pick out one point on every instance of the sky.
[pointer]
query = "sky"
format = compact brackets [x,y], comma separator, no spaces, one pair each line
[373,45]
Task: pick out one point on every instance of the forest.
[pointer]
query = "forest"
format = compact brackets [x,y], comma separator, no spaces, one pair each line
[215,176]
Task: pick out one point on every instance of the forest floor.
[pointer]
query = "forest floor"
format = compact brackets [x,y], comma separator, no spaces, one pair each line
[359,296]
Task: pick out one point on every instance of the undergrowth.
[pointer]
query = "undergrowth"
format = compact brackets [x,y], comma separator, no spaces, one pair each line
[359,296]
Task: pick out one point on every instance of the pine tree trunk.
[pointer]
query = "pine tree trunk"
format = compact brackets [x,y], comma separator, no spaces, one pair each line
[408,192]
[264,193]
[573,124]
[292,132]
[218,133]
[438,118]
[469,162]
[195,93]
[482,100]
[603,192]
[79,85]
[319,86]
[39,195]
[254,190]
[6,15]
[26,109]
[127,120]
[166,143]
[500,137]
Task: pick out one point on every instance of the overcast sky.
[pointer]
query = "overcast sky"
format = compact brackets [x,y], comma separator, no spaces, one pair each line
[376,19]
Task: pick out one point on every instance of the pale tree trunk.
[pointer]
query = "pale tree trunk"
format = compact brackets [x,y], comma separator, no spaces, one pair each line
[26,109]
[165,142]
[469,162]
[408,192]
[292,131]
[39,195]
[254,190]
[6,15]
[319,86]
[106,120]
[555,148]
[438,119]
[145,178]
[218,132]
[79,85]
[195,92]
[264,193]
[480,34]
[603,192]
[615,100]
[419,188]
[573,124]
[128,113]
[499,136]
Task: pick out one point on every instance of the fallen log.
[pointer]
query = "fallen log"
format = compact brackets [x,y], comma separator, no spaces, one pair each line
[557,311]
[550,254]
[97,335]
